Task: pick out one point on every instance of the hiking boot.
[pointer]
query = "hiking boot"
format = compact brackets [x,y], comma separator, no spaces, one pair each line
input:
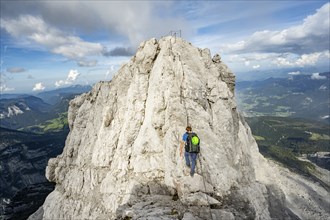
[191,174]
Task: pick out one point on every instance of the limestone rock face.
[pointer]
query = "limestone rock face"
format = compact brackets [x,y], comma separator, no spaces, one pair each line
[121,159]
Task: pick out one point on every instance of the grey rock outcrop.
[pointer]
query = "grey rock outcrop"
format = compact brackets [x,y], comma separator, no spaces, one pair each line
[122,161]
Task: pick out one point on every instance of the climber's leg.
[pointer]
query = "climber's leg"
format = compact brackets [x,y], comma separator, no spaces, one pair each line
[187,156]
[193,163]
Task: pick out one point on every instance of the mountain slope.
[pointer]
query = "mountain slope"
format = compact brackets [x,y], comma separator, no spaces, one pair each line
[23,158]
[122,160]
[24,111]
[302,96]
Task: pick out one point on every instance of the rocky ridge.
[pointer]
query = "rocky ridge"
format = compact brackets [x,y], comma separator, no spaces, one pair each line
[122,161]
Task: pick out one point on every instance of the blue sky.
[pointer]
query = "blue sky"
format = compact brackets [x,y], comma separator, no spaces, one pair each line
[52,44]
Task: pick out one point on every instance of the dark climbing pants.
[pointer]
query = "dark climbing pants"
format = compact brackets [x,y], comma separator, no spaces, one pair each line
[191,161]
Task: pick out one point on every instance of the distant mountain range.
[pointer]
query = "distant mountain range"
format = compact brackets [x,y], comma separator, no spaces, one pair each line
[54,96]
[19,111]
[259,75]
[300,96]
[16,113]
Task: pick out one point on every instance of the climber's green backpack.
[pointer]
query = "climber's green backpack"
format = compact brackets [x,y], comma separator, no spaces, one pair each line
[192,143]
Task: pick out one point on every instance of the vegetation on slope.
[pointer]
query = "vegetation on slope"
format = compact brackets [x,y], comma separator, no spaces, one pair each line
[54,125]
[288,158]
[286,139]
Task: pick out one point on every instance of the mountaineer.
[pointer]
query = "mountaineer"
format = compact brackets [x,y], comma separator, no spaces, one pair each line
[192,148]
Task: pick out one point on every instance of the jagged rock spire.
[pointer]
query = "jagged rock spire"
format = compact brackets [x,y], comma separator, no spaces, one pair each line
[121,158]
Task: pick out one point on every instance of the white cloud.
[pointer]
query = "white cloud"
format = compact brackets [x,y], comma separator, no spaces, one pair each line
[4,88]
[75,48]
[138,20]
[59,83]
[248,58]
[254,60]
[292,60]
[38,87]
[308,59]
[72,76]
[294,73]
[309,37]
[35,30]
[317,76]
[281,61]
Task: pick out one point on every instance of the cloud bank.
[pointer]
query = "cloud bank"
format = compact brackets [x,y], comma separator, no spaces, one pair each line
[305,44]
[136,21]
[35,30]
[309,37]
